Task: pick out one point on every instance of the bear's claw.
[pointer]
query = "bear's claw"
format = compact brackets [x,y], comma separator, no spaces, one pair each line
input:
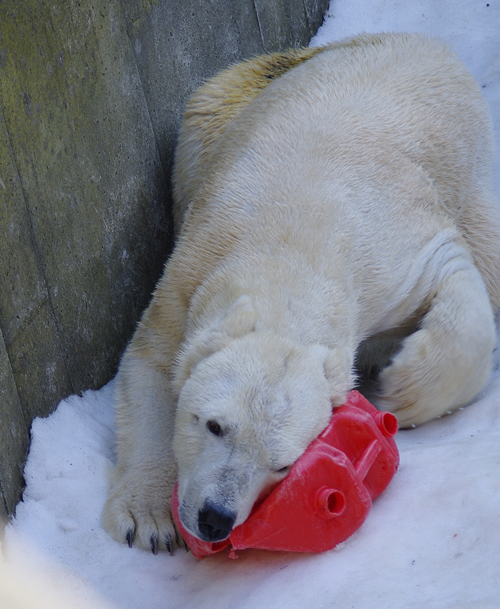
[155,542]
[130,537]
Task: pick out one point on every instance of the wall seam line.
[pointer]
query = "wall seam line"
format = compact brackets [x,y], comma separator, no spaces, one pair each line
[39,261]
[260,27]
[309,25]
[128,27]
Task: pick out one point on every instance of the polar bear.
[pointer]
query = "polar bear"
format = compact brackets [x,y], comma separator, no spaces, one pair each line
[336,228]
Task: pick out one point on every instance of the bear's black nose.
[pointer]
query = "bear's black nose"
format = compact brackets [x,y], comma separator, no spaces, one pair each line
[215,522]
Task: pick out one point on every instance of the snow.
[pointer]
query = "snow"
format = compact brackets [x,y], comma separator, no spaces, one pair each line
[432,538]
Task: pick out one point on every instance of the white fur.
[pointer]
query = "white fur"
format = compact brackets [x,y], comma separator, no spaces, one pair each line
[341,215]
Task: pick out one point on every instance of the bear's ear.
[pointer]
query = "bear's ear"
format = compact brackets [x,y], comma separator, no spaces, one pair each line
[238,320]
[338,367]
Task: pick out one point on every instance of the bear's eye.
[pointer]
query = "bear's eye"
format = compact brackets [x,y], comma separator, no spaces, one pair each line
[214,428]
[283,470]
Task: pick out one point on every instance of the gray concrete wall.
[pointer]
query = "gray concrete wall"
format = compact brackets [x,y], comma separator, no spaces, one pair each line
[91,97]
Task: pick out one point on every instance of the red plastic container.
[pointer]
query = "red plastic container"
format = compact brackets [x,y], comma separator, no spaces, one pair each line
[328,492]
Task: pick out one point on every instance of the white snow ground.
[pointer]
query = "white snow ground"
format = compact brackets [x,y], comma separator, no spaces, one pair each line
[432,540]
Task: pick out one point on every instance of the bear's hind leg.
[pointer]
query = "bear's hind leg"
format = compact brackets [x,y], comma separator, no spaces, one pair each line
[479,224]
[447,361]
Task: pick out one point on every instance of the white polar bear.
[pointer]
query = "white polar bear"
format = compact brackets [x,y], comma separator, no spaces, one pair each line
[338,228]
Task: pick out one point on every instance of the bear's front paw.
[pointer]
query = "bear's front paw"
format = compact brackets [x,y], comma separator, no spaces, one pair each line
[140,514]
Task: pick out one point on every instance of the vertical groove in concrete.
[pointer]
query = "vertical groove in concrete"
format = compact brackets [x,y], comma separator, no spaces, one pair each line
[260,27]
[14,437]
[41,269]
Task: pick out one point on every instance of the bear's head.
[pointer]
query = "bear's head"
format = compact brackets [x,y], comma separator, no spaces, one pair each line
[250,402]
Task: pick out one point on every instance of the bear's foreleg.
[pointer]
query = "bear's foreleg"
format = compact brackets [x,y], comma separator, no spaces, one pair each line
[138,507]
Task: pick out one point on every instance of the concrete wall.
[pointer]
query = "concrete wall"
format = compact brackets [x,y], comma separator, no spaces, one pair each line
[91,97]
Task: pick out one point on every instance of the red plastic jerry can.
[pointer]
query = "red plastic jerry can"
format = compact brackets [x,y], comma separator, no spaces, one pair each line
[328,492]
